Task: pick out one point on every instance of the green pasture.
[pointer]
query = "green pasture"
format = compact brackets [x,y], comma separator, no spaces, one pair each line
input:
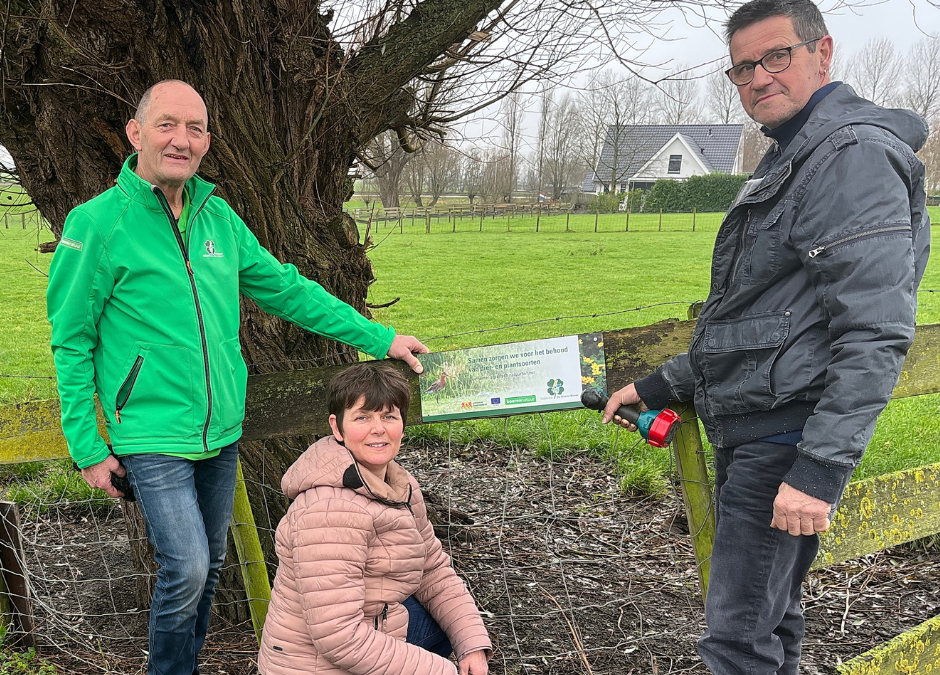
[457,287]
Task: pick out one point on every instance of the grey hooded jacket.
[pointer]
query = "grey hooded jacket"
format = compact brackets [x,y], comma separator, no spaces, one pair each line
[813,293]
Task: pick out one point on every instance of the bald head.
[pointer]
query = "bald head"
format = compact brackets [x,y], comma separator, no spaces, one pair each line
[174,88]
[171,136]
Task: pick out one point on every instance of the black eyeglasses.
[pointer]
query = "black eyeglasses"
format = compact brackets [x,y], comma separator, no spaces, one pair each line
[776,61]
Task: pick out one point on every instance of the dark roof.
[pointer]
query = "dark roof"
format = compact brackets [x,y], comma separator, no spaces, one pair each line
[588,184]
[717,144]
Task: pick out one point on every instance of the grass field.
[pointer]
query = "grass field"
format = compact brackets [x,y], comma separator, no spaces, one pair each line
[457,286]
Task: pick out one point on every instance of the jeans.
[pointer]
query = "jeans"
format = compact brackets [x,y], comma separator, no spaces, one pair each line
[187,509]
[752,611]
[423,630]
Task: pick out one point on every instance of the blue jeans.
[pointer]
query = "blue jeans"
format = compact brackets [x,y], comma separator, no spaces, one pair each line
[423,630]
[752,611]
[187,509]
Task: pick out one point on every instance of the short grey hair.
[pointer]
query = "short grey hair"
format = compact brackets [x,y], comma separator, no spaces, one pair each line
[144,104]
[807,20]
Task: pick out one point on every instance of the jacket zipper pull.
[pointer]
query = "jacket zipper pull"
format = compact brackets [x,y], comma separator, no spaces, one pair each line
[384,614]
[189,267]
[117,416]
[816,251]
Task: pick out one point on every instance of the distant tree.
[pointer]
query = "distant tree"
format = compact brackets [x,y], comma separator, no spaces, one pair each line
[471,173]
[922,79]
[562,168]
[678,98]
[546,122]
[512,117]
[754,145]
[415,174]
[930,156]
[441,167]
[386,159]
[593,113]
[628,101]
[722,100]
[876,72]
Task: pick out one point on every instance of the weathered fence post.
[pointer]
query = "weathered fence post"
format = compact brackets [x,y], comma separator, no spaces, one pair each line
[427,221]
[627,226]
[696,490]
[538,217]
[660,220]
[250,555]
[693,218]
[482,215]
[596,218]
[567,221]
[401,227]
[23,219]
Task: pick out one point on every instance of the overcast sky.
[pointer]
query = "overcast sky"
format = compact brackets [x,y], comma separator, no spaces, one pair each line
[901,21]
[693,40]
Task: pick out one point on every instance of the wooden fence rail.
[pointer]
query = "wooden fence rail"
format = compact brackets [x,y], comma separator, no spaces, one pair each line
[874,514]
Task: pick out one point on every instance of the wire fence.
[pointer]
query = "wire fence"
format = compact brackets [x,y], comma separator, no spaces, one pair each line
[500,219]
[571,574]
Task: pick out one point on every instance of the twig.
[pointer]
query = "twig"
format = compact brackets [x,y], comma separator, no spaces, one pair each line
[574,632]
[36,268]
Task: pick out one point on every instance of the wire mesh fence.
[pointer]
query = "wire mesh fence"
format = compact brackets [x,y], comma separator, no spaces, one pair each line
[571,573]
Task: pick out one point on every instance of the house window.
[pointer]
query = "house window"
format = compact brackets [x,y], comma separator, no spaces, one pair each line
[675,163]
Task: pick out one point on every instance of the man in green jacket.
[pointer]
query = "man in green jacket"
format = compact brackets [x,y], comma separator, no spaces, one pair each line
[143,299]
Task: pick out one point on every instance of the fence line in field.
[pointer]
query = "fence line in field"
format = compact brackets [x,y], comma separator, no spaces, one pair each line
[519,218]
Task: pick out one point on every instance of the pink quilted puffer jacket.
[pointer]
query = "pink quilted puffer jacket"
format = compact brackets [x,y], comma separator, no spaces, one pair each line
[351,551]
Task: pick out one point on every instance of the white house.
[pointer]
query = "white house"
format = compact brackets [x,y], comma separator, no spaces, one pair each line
[636,156]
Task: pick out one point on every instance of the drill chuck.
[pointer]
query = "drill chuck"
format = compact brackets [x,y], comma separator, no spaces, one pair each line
[658,427]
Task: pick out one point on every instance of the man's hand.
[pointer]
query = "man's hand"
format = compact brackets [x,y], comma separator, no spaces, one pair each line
[798,513]
[474,663]
[405,347]
[99,475]
[625,396]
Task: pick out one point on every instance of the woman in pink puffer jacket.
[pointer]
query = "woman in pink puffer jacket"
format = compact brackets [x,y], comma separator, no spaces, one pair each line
[356,545]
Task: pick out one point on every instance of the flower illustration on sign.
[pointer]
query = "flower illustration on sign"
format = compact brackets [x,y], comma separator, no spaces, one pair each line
[555,387]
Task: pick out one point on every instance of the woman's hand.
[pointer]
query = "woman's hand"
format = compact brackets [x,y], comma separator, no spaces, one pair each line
[474,663]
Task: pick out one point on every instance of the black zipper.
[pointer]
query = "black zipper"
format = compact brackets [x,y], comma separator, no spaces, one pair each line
[384,615]
[192,283]
[858,235]
[128,382]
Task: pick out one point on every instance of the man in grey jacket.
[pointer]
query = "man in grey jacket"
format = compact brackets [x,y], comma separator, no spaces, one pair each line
[810,314]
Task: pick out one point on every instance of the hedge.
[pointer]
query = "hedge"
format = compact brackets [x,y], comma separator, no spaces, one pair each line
[711,192]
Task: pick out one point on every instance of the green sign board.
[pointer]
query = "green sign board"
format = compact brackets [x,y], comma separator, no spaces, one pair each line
[531,376]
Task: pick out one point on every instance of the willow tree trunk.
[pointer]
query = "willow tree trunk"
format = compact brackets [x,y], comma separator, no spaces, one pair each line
[288,112]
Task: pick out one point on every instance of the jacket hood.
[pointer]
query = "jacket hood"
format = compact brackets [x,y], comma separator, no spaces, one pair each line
[842,108]
[328,463]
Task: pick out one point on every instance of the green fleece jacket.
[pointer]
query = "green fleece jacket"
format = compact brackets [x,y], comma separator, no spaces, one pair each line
[151,325]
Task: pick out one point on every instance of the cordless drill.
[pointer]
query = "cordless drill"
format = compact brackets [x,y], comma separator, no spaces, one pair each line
[658,427]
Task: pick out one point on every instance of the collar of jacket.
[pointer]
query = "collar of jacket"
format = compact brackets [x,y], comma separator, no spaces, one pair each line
[840,109]
[395,490]
[140,191]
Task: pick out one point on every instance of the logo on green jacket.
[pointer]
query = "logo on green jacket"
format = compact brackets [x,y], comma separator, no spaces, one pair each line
[210,250]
